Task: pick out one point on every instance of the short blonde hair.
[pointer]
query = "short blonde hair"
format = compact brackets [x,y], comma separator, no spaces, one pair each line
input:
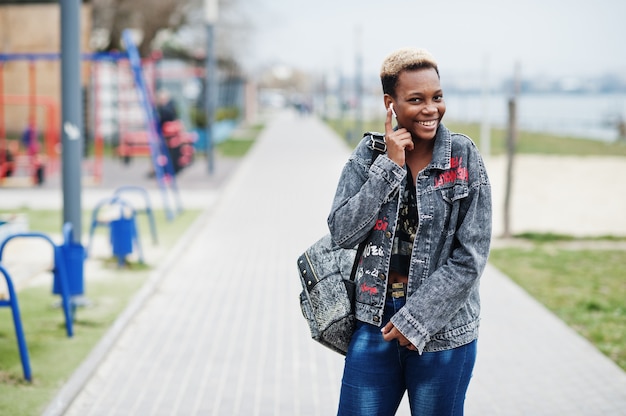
[405,59]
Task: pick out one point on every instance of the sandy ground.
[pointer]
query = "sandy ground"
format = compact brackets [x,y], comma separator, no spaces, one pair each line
[581,196]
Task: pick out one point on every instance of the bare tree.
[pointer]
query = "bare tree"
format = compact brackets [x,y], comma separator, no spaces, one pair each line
[146,16]
[511,143]
[176,26]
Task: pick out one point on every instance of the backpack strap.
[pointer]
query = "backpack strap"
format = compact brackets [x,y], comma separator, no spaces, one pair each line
[376,142]
[379,146]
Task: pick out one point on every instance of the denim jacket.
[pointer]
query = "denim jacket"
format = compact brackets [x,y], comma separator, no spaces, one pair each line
[450,249]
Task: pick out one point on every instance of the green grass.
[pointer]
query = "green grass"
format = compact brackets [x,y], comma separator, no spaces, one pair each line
[234,148]
[528,142]
[238,146]
[586,288]
[53,356]
[543,143]
[554,237]
[48,221]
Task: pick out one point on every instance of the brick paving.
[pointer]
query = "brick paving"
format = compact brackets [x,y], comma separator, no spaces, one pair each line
[217,330]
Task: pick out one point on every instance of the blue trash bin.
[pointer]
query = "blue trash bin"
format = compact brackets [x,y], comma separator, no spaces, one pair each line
[122,235]
[73,256]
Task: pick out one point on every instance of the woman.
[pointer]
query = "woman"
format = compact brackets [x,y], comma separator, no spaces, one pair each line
[424,207]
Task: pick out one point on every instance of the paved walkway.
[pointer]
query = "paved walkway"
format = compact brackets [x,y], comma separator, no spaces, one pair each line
[218,331]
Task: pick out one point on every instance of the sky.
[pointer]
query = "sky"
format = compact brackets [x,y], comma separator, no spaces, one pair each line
[551,38]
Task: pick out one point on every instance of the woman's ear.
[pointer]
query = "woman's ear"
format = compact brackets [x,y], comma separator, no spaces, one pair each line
[387,100]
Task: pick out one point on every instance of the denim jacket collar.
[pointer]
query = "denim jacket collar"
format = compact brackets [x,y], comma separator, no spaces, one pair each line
[443,149]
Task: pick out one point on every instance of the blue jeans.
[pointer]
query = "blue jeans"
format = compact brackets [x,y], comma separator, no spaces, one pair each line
[377,373]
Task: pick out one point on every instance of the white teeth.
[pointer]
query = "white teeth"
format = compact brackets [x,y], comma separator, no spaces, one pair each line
[428,123]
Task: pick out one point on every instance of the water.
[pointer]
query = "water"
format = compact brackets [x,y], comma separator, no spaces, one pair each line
[593,116]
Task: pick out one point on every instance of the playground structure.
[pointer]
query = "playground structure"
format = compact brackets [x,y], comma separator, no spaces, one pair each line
[67,283]
[123,231]
[115,114]
[28,155]
[129,125]
[30,143]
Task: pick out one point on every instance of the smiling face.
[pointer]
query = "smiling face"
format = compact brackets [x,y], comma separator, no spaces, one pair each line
[418,102]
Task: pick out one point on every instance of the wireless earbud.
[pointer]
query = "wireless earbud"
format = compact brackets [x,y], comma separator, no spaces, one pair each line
[392,110]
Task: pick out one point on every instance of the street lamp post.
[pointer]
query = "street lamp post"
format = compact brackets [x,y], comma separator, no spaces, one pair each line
[71,109]
[210,92]
[358,87]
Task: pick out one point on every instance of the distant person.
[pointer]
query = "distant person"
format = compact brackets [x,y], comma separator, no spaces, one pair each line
[171,128]
[303,107]
[6,163]
[166,112]
[29,140]
[424,207]
[166,108]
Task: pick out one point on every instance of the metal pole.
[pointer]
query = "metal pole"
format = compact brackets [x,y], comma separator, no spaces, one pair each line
[72,125]
[210,93]
[511,143]
[358,86]
[485,126]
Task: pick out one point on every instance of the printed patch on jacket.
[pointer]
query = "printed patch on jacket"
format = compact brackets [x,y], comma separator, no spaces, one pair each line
[457,172]
[373,250]
[381,225]
[372,290]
